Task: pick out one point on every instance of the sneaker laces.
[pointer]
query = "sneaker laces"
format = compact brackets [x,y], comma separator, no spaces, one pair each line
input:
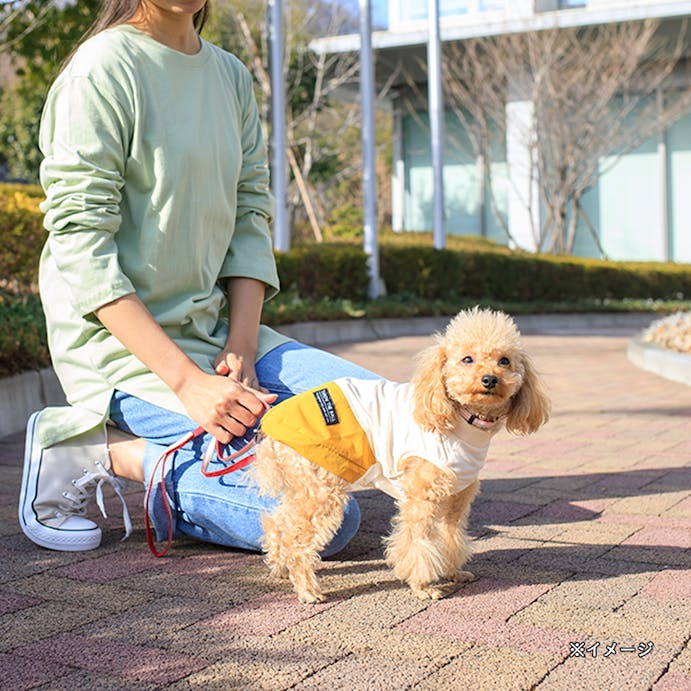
[84,487]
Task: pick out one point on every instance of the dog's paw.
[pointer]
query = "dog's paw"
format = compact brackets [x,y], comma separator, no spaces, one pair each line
[311,598]
[428,592]
[463,577]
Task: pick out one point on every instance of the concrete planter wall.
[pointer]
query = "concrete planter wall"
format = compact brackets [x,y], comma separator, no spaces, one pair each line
[664,363]
[24,393]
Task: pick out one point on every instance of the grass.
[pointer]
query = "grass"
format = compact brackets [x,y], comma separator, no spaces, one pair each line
[23,336]
[287,309]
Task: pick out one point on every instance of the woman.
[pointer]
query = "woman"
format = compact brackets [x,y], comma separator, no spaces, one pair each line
[157,263]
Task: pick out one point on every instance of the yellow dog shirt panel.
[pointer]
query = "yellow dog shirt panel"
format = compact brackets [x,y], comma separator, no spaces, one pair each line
[320,425]
[361,430]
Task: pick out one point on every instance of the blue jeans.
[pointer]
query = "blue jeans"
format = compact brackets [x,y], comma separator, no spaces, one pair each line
[226,510]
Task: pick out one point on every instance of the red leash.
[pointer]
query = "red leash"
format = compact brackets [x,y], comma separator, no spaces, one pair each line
[206,459]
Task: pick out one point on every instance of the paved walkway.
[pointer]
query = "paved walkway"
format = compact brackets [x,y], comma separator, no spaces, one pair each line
[582,536]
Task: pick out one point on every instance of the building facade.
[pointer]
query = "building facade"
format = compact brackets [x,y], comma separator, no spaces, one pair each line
[639,209]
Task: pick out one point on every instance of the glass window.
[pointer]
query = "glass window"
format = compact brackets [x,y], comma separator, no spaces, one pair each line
[415,10]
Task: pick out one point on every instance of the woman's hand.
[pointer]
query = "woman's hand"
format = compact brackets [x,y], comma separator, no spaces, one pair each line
[224,407]
[237,367]
[221,405]
[233,401]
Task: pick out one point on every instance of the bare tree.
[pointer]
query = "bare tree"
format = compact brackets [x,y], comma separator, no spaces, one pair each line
[316,118]
[31,14]
[476,93]
[596,92]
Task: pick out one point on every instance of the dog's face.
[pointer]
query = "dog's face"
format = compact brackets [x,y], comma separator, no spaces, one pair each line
[480,364]
[482,376]
[483,360]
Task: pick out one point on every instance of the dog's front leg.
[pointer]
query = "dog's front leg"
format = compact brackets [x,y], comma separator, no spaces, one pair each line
[453,533]
[418,546]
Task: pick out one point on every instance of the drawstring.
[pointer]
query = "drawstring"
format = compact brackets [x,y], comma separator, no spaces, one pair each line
[214,445]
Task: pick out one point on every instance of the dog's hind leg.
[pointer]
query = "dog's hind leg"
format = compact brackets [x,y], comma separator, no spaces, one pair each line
[308,515]
[311,515]
[266,472]
[273,543]
[415,549]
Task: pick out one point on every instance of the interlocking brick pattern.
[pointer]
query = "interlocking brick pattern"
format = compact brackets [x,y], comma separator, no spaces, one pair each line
[582,537]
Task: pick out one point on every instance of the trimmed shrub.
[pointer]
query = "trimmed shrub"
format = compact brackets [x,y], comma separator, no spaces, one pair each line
[21,236]
[22,336]
[325,270]
[421,271]
[519,276]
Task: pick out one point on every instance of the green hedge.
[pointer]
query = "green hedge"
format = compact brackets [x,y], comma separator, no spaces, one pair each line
[337,270]
[23,335]
[523,277]
[331,279]
[469,268]
[21,235]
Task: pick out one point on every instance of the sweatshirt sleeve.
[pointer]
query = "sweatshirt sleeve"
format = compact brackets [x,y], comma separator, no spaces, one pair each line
[84,138]
[250,254]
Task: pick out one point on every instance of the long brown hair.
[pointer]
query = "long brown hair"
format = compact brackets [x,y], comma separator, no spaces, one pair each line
[115,12]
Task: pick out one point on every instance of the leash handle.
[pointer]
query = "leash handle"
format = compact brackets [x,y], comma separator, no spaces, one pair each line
[209,453]
[212,446]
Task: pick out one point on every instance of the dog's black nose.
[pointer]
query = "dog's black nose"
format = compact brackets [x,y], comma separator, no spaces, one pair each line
[489,381]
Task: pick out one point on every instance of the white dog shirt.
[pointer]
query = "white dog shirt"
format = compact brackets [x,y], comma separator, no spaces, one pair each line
[362,430]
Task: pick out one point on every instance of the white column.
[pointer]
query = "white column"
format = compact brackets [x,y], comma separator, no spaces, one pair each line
[394,13]
[524,191]
[398,173]
[278,153]
[369,178]
[436,119]
[667,239]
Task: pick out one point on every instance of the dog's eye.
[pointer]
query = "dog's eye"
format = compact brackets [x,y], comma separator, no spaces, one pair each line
[467,359]
[504,361]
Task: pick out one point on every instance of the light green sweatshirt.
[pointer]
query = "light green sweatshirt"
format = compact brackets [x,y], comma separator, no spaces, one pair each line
[156,183]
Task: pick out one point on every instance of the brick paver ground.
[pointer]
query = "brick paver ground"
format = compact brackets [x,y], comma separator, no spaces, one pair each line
[582,537]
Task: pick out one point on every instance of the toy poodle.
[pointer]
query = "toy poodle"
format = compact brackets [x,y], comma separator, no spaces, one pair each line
[422,442]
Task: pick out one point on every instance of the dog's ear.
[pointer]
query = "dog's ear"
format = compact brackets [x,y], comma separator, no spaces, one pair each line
[530,406]
[433,408]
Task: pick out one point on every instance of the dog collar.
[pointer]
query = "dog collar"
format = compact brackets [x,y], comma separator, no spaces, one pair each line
[479,421]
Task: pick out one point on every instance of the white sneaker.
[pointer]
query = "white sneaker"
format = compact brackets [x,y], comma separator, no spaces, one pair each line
[57,484]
